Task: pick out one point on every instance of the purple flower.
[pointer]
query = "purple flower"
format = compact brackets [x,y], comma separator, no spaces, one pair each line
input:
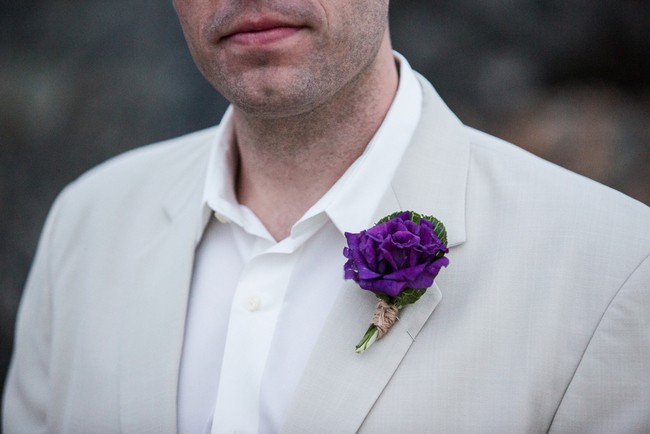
[395,255]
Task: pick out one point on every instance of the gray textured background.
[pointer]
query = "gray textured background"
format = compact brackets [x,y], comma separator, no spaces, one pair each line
[81,81]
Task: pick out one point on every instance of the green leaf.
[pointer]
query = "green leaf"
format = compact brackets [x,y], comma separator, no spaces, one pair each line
[388,299]
[438,228]
[416,217]
[408,296]
[389,217]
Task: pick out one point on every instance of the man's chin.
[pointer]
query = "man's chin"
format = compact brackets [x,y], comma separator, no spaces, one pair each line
[275,99]
[270,109]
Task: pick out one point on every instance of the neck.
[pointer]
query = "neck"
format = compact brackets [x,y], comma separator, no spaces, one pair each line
[287,164]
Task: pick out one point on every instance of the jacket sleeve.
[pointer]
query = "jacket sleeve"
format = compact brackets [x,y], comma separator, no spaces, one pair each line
[610,389]
[27,390]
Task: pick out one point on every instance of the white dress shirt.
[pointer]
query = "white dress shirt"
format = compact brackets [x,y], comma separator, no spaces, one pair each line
[256,305]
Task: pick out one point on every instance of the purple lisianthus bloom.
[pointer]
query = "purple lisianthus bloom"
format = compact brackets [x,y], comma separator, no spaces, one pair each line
[395,255]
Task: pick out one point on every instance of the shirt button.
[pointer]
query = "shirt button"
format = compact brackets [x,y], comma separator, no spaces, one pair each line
[253,303]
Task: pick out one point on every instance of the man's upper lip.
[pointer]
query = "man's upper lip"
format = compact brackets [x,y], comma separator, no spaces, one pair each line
[257,25]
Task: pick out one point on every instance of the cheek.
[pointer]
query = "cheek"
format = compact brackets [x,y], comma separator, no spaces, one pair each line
[183,10]
[191,15]
[359,24]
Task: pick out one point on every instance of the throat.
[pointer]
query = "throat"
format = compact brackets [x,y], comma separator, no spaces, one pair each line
[280,197]
[281,176]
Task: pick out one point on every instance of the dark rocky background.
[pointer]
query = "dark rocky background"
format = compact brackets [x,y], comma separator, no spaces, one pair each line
[81,81]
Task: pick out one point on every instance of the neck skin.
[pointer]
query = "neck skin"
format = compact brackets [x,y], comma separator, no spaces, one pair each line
[287,164]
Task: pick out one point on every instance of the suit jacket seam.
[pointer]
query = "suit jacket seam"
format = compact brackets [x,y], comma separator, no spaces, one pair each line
[591,338]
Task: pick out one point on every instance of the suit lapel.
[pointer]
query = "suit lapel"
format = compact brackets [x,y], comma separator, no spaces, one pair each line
[339,387]
[153,322]
[432,177]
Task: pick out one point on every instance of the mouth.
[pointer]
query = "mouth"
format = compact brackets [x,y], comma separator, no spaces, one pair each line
[260,32]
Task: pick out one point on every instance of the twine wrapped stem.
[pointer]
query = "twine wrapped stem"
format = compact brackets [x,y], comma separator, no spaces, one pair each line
[384,317]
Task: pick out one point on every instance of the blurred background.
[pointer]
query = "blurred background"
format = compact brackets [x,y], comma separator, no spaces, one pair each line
[81,81]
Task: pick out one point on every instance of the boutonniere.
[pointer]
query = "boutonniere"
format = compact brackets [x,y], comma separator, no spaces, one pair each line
[397,260]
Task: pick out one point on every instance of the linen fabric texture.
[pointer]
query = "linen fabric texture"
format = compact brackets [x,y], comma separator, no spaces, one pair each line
[541,322]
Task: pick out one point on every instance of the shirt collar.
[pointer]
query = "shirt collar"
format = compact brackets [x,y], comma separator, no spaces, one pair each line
[219,189]
[351,202]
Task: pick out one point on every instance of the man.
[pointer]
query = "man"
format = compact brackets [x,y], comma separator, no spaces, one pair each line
[196,285]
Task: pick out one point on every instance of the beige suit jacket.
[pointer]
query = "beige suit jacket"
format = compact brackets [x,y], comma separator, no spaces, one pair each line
[541,323]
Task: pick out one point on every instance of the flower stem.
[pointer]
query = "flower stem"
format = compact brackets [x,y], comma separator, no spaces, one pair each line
[368,339]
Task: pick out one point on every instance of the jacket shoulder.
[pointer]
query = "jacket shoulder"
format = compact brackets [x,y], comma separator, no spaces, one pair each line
[544,181]
[139,189]
[149,163]
[535,195]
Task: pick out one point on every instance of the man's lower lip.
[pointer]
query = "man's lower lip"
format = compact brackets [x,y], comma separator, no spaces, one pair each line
[262,37]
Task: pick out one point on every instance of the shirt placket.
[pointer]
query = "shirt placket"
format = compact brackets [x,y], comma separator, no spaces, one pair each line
[257,303]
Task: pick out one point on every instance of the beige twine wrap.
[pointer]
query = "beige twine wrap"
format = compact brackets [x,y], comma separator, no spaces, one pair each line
[384,317]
